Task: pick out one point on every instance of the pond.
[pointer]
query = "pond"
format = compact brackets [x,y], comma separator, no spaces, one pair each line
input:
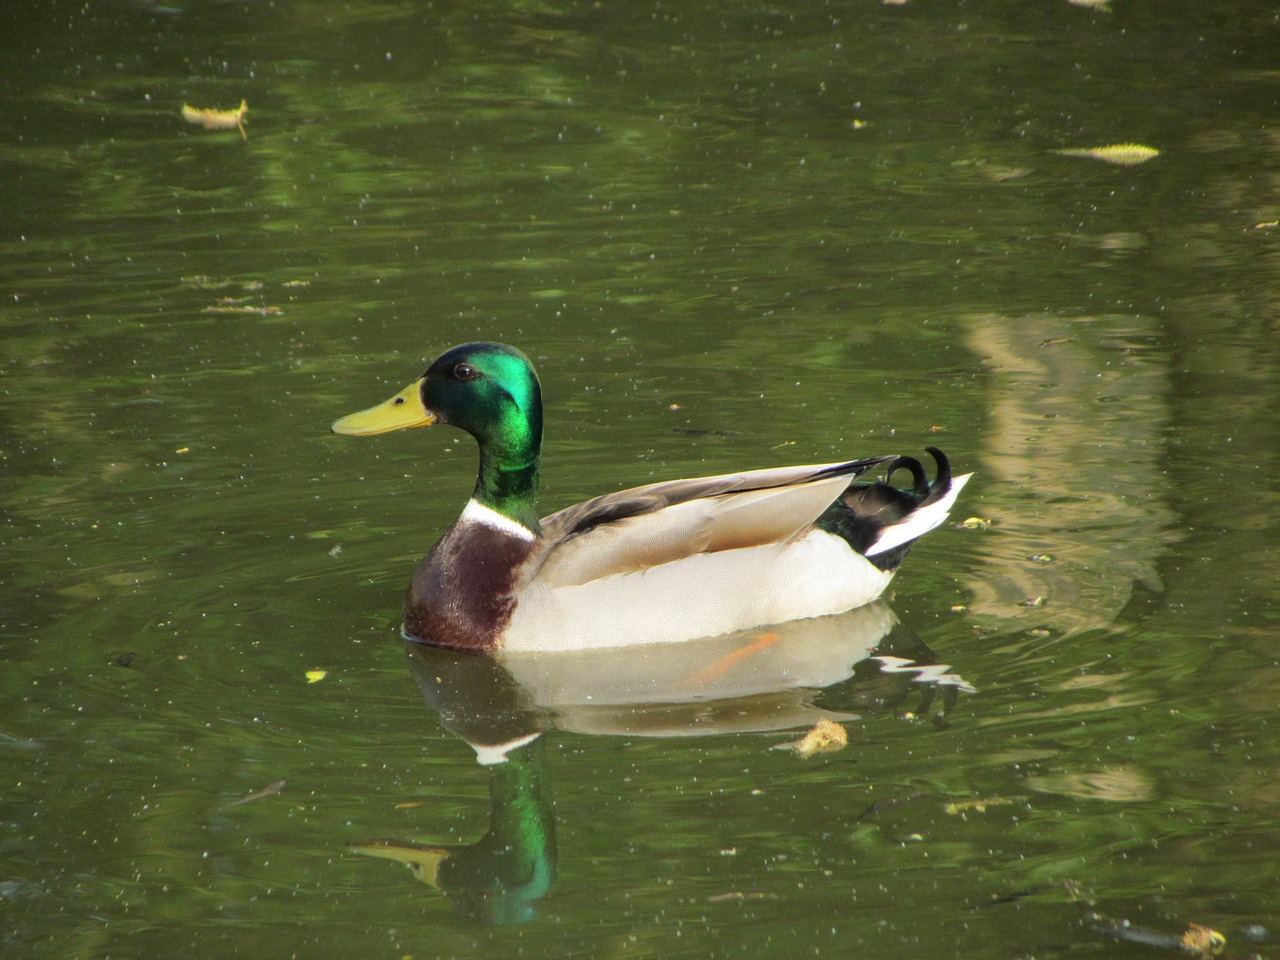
[730,235]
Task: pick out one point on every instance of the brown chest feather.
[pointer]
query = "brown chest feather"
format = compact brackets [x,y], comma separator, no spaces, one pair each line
[461,595]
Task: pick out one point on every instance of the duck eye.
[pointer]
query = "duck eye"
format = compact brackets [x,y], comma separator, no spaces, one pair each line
[465,371]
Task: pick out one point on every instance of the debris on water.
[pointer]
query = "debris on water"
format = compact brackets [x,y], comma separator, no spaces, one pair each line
[201,281]
[740,895]
[961,807]
[1121,154]
[213,119]
[1201,942]
[265,311]
[698,432]
[826,737]
[257,795]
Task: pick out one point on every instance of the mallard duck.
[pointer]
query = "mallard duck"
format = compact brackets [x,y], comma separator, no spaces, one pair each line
[664,562]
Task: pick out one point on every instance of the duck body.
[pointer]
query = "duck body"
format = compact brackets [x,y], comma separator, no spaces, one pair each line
[663,562]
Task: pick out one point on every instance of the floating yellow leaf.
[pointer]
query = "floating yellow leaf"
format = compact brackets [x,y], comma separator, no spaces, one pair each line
[977,806]
[212,119]
[974,523]
[315,676]
[1124,154]
[827,737]
[1203,942]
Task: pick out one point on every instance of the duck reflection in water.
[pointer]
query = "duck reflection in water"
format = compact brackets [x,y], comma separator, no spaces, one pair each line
[777,679]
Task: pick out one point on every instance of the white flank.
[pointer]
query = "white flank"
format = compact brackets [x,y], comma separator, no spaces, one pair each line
[477,512]
[920,522]
[699,596]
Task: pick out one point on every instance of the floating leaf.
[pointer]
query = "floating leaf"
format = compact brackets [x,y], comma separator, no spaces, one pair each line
[827,737]
[740,895]
[1202,941]
[961,807]
[974,523]
[315,676]
[233,308]
[1123,154]
[202,282]
[212,119]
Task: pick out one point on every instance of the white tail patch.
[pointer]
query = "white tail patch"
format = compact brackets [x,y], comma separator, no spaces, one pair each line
[919,522]
[936,673]
[489,755]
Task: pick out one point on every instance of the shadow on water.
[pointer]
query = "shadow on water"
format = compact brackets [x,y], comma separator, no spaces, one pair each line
[789,677]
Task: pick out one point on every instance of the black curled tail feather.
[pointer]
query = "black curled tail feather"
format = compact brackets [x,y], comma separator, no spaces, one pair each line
[941,485]
[864,510]
[919,479]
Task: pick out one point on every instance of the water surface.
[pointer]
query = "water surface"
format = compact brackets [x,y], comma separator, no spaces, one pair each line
[731,236]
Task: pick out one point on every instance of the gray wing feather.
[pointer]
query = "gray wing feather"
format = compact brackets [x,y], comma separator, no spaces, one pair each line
[635,529]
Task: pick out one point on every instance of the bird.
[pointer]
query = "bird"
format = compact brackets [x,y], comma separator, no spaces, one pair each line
[669,561]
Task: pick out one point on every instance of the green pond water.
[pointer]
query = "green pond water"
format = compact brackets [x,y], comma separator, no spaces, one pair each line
[731,235]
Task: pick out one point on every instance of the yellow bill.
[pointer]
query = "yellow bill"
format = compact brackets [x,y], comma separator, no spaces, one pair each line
[405,409]
[423,861]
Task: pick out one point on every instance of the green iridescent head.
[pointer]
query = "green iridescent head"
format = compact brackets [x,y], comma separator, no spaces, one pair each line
[489,390]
